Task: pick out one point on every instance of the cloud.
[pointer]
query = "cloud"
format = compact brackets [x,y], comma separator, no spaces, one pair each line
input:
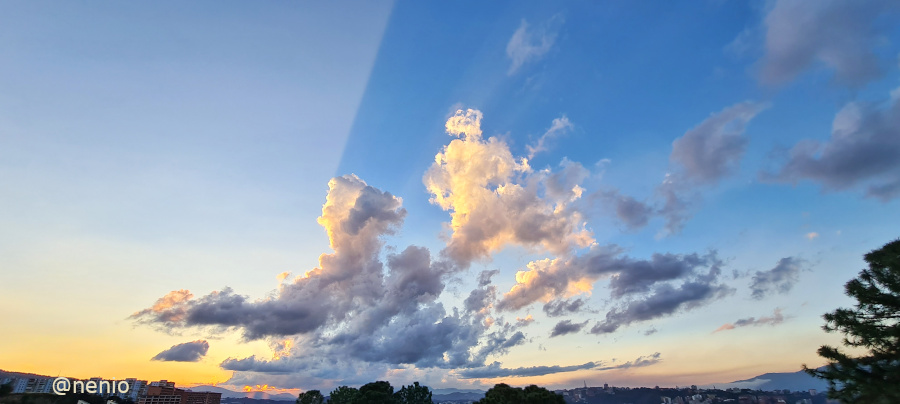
[633,213]
[561,307]
[376,309]
[186,352]
[812,235]
[650,331]
[495,200]
[529,45]
[559,277]
[704,155]
[559,127]
[548,278]
[675,208]
[840,34]
[775,319]
[524,321]
[641,361]
[348,281]
[779,279]
[167,309]
[648,289]
[639,276]
[712,150]
[666,299]
[368,307]
[496,370]
[862,152]
[349,307]
[566,327]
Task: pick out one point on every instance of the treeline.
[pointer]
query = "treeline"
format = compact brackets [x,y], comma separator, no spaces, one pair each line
[381,392]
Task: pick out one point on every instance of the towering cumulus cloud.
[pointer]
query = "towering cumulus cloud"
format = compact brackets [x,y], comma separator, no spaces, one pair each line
[495,200]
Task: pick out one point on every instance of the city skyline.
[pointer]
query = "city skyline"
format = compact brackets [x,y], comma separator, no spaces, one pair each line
[302,196]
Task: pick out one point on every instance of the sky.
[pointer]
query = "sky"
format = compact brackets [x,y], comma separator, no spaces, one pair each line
[298,195]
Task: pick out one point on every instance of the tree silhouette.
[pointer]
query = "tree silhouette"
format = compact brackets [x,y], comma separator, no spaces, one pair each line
[344,395]
[380,392]
[414,394]
[540,395]
[311,397]
[873,324]
[5,389]
[502,393]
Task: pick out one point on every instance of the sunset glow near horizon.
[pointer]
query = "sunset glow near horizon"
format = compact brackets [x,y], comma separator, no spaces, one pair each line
[290,196]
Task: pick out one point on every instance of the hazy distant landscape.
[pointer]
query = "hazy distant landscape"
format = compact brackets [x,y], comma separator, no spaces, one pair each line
[504,201]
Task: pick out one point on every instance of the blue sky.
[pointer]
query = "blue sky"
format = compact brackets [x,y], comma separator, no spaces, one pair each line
[687,166]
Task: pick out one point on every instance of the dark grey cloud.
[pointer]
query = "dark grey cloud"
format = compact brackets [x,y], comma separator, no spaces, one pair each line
[840,34]
[665,300]
[713,149]
[675,205]
[779,279]
[638,276]
[650,331]
[776,318]
[627,275]
[484,278]
[641,361]
[495,370]
[703,156]
[566,327]
[647,288]
[253,364]
[633,213]
[187,352]
[562,307]
[862,152]
[498,343]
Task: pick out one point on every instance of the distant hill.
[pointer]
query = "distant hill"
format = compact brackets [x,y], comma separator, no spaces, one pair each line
[796,381]
[258,395]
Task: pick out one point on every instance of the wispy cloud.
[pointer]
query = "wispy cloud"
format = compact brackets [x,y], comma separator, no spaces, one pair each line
[529,44]
[558,127]
[775,319]
[496,370]
[779,279]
